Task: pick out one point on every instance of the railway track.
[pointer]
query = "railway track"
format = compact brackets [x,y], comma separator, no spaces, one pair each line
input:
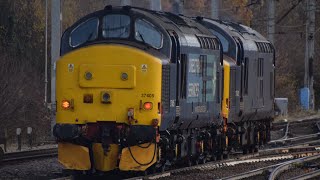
[253,158]
[294,150]
[286,166]
[28,155]
[296,139]
[290,148]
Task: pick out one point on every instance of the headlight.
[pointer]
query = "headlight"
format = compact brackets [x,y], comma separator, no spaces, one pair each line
[65,104]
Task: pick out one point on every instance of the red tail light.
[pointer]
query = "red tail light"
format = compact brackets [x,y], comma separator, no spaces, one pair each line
[147,106]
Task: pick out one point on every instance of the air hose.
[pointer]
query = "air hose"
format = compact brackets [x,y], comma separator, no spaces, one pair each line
[154,154]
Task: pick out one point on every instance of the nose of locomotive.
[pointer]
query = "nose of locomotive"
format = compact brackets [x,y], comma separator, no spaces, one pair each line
[105,86]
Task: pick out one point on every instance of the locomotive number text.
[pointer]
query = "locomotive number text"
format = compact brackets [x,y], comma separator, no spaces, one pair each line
[147,95]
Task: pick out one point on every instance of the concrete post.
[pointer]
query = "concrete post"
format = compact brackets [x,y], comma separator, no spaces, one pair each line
[215,6]
[309,53]
[18,133]
[271,20]
[155,5]
[55,52]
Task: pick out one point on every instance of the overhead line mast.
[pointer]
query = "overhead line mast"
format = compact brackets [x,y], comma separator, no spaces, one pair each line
[309,53]
[215,5]
[125,2]
[155,5]
[271,20]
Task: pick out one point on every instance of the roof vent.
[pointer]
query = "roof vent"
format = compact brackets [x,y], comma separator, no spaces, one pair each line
[199,18]
[108,7]
[126,8]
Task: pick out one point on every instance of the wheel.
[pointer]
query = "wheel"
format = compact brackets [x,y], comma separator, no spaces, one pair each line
[145,173]
[1,153]
[225,156]
[203,160]
[245,150]
[196,161]
[219,157]
[189,163]
[163,168]
[251,149]
[213,158]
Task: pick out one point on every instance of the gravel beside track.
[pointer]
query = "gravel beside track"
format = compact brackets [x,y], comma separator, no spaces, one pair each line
[221,172]
[277,134]
[258,177]
[298,170]
[294,172]
[33,169]
[303,129]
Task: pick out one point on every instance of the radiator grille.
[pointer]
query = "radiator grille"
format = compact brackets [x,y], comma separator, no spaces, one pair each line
[165,88]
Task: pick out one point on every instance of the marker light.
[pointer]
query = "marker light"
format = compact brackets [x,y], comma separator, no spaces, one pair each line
[88,75]
[147,106]
[65,104]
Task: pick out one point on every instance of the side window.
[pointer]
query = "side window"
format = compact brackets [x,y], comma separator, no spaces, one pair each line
[271,85]
[224,41]
[146,32]
[87,31]
[116,26]
[203,65]
[246,75]
[260,67]
[183,75]
[260,76]
[203,72]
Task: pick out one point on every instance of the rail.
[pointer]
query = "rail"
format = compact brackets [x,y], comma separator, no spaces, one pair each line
[231,162]
[278,170]
[27,155]
[285,138]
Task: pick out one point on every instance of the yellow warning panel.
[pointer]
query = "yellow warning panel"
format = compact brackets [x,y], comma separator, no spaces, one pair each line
[106,162]
[73,156]
[138,158]
[226,90]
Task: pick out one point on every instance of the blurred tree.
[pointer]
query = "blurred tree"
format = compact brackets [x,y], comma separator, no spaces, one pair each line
[197,7]
[22,65]
[239,10]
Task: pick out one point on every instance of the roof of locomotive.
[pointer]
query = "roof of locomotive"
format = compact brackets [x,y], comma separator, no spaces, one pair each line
[232,28]
[187,30]
[231,33]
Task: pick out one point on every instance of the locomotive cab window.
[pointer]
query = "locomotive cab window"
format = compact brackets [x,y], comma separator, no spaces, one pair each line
[116,26]
[87,31]
[147,33]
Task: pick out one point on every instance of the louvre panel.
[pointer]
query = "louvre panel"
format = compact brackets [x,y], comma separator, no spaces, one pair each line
[165,88]
[264,47]
[208,43]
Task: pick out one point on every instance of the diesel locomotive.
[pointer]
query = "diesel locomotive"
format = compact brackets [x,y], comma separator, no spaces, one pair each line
[138,90]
